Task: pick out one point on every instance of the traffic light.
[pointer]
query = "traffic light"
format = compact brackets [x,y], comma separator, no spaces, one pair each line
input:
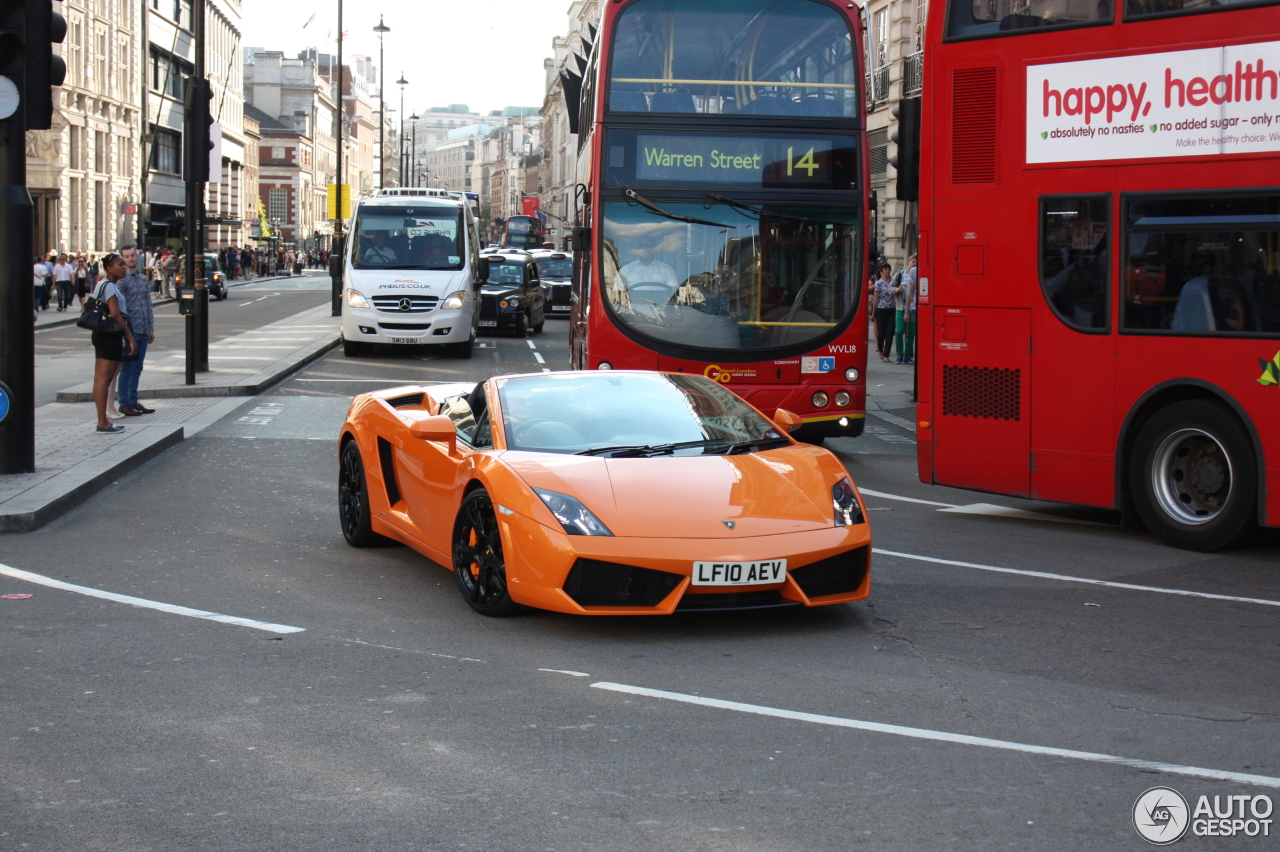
[199,126]
[907,160]
[12,54]
[42,69]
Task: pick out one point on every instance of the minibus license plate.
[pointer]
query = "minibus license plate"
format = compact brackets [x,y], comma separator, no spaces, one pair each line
[409,340]
[739,573]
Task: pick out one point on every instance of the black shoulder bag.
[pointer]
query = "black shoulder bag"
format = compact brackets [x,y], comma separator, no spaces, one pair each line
[97,314]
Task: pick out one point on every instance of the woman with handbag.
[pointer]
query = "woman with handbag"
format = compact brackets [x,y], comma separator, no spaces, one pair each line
[105,316]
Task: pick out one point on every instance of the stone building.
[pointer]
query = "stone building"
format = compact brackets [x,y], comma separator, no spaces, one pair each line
[559,145]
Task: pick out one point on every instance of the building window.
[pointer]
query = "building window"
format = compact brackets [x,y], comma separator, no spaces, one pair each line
[166,152]
[278,204]
[277,153]
[75,190]
[101,155]
[75,146]
[168,74]
[100,217]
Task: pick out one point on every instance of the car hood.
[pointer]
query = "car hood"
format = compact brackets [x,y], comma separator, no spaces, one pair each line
[428,282]
[778,491]
[499,289]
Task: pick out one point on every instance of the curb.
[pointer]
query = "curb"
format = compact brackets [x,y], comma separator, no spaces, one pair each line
[61,493]
[251,386]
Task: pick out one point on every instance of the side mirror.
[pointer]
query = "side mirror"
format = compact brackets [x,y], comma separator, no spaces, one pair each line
[786,420]
[435,428]
[581,239]
[482,269]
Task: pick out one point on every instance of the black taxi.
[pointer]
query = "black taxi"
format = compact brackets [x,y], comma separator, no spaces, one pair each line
[511,299]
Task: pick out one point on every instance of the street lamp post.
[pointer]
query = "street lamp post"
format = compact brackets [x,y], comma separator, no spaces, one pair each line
[380,29]
[339,247]
[402,82]
[413,149]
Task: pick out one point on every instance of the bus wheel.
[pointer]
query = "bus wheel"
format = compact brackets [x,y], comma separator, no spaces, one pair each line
[1193,477]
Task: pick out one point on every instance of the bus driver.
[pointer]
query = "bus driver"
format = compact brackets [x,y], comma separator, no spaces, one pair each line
[648,274]
[379,252]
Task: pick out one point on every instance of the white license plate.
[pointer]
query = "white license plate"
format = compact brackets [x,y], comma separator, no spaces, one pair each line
[409,340]
[487,323]
[739,573]
[560,307]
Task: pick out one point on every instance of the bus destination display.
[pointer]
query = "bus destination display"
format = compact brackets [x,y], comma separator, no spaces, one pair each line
[736,161]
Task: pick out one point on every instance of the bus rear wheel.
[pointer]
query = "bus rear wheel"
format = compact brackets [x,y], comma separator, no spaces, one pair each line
[1193,477]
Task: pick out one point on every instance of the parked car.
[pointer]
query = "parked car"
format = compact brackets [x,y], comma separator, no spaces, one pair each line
[511,298]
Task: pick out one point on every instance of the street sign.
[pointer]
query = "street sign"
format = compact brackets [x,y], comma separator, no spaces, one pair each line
[346,201]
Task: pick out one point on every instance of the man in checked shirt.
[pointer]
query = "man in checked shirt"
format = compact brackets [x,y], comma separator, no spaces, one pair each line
[137,295]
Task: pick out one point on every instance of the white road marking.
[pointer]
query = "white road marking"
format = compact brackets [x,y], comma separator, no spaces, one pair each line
[537,356]
[19,574]
[268,296]
[1043,575]
[905,499]
[566,671]
[244,304]
[1021,514]
[944,736]
[531,343]
[546,369]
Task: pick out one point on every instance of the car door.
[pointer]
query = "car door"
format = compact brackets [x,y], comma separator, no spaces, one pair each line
[428,475]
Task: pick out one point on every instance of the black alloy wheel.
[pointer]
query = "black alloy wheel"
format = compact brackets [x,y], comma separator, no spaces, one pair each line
[477,557]
[1193,477]
[353,500]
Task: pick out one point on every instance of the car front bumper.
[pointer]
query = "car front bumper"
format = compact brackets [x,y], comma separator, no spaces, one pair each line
[369,325]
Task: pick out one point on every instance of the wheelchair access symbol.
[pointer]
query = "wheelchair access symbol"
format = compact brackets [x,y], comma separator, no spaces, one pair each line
[817,364]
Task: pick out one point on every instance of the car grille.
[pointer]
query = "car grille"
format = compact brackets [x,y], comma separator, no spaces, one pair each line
[405,326]
[733,600]
[594,583]
[560,294]
[489,306]
[835,575]
[417,304]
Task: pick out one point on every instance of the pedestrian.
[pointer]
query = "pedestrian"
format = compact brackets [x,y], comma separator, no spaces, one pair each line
[63,271]
[92,280]
[109,347]
[40,271]
[165,274]
[50,262]
[904,324]
[884,312]
[137,292]
[81,280]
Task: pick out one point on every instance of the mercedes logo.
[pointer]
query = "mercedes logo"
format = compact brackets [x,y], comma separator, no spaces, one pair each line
[729,524]
[406,304]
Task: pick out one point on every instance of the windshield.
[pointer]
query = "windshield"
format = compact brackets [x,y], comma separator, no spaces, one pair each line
[523,232]
[420,237]
[753,57]
[505,273]
[555,267]
[569,413]
[758,278]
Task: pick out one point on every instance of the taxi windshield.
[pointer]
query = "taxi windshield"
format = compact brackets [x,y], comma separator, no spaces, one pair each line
[419,237]
[613,413]
[555,267]
[505,273]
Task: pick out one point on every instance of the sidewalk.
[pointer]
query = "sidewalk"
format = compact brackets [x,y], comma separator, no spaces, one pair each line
[52,318]
[73,462]
[889,390]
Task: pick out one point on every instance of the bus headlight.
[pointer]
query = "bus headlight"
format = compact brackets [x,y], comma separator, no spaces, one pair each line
[843,399]
[454,301]
[356,299]
[604,365]
[851,374]
[820,399]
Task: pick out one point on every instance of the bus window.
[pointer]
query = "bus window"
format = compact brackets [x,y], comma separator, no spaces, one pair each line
[1074,234]
[1151,8]
[1203,265]
[968,18]
[758,57]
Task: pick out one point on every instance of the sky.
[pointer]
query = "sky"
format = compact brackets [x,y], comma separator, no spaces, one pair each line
[486,54]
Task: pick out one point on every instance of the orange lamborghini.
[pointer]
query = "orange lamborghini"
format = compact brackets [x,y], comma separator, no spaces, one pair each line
[612,493]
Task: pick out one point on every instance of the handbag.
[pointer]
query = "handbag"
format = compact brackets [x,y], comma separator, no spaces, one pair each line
[97,315]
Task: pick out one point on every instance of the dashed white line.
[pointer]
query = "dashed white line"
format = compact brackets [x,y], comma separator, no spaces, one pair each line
[905,499]
[19,574]
[532,345]
[1067,578]
[944,736]
[537,356]
[566,671]
[989,509]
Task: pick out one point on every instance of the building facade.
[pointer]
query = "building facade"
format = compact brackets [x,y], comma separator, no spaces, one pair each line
[559,145]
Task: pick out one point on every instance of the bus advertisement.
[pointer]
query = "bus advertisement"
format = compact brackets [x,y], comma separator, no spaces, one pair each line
[723,226]
[1100,259]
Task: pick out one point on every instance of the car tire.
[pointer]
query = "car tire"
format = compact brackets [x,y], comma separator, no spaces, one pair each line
[1193,477]
[353,500]
[522,326]
[478,563]
[350,348]
[537,329]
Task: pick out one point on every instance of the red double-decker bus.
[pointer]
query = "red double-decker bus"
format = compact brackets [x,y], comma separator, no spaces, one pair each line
[724,219]
[522,232]
[1100,258]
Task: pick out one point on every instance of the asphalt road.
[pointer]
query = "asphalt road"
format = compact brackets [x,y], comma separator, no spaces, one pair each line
[399,720]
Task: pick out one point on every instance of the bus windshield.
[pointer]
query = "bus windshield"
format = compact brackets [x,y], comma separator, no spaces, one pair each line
[736,278]
[523,232]
[419,237]
[752,57]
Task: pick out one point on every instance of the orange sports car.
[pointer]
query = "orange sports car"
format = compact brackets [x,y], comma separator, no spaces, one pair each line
[611,493]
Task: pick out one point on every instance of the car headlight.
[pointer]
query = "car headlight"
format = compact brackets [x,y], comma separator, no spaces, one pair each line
[356,299]
[453,301]
[572,515]
[845,503]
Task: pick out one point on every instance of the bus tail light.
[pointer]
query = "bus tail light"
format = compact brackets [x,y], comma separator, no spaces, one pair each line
[820,399]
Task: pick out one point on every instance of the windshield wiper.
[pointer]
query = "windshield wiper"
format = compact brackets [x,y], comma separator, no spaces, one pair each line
[637,451]
[653,208]
[761,213]
[757,444]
